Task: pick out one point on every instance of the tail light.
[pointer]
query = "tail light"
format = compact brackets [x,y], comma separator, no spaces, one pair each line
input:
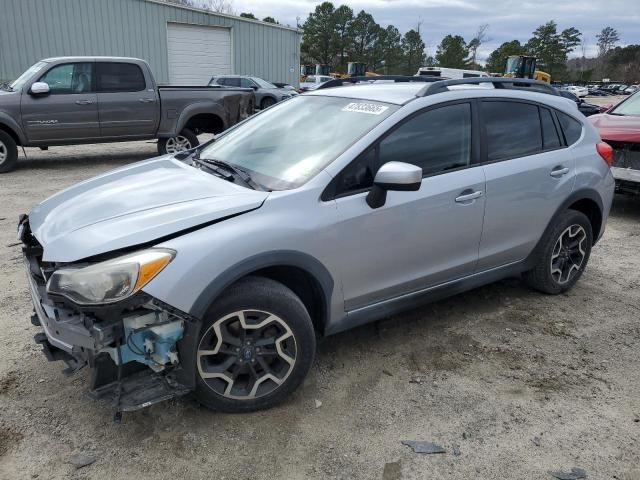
[606,152]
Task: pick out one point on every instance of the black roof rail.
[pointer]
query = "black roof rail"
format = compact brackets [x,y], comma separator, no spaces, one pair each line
[498,82]
[339,82]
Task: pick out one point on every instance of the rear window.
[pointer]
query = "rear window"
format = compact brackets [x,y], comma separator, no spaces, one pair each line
[119,77]
[571,127]
[513,129]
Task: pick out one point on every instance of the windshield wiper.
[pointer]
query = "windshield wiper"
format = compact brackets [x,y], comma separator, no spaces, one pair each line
[236,172]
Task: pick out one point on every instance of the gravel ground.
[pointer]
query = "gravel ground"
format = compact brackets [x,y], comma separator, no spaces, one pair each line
[511,383]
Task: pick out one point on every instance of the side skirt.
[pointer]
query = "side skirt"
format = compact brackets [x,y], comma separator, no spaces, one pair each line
[408,301]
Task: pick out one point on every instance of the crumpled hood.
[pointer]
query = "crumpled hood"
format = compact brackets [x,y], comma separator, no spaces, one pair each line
[132,205]
[618,128]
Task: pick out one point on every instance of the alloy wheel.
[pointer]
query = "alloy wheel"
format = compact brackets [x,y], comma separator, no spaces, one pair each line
[568,254]
[4,153]
[246,354]
[177,144]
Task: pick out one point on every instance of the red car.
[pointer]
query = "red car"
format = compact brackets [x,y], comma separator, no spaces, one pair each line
[620,128]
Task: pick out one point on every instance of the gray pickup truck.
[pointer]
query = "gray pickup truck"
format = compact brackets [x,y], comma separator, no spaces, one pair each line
[74,100]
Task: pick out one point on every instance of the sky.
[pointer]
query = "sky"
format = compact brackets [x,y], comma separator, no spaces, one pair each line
[507,19]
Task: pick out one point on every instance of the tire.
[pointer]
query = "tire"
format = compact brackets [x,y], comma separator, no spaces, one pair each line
[267,102]
[185,140]
[240,370]
[8,152]
[562,254]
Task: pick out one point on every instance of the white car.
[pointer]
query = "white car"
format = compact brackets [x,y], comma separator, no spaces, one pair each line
[312,81]
[576,90]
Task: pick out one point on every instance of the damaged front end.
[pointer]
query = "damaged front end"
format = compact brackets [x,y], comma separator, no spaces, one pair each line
[132,344]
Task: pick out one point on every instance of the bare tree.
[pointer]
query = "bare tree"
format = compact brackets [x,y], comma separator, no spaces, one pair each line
[607,39]
[476,41]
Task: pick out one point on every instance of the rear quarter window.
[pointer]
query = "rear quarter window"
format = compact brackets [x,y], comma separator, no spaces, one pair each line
[571,128]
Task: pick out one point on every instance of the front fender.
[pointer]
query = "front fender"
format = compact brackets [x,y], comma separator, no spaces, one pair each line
[8,121]
[284,258]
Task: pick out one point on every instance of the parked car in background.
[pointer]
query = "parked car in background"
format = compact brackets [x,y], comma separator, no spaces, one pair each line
[284,86]
[72,100]
[631,89]
[620,128]
[213,271]
[267,94]
[312,81]
[587,109]
[576,90]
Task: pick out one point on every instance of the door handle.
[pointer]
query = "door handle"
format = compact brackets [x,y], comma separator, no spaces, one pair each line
[559,171]
[84,102]
[468,196]
[146,100]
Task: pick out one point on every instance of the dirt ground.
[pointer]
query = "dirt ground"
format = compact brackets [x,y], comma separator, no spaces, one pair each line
[511,383]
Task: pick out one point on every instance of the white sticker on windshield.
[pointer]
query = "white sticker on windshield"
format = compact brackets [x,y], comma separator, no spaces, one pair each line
[359,107]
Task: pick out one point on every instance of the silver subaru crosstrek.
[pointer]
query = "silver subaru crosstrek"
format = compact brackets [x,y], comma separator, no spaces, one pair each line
[213,271]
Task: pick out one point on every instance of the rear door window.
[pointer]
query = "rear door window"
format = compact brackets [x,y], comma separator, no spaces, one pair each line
[512,129]
[232,82]
[119,77]
[571,127]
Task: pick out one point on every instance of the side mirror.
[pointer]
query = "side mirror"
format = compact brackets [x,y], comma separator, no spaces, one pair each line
[394,176]
[40,88]
[255,87]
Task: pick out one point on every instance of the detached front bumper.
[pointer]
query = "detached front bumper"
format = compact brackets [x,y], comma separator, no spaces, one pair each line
[100,339]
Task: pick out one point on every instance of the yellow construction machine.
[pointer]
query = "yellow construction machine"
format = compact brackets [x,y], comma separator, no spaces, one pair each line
[524,66]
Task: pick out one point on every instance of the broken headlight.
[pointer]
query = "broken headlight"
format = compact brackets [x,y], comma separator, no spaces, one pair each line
[109,281]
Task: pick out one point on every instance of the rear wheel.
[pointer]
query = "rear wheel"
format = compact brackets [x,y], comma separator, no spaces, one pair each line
[185,140]
[8,152]
[256,346]
[562,254]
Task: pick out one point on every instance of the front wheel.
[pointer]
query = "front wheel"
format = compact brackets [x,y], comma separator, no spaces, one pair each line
[267,102]
[185,140]
[255,348]
[8,152]
[562,254]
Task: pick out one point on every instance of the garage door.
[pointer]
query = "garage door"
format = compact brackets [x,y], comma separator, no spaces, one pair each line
[196,53]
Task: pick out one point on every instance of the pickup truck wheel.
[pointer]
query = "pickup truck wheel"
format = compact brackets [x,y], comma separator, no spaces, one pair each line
[8,152]
[256,346]
[185,140]
[562,254]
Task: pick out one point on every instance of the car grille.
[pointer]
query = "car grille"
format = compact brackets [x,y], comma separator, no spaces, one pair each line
[626,155]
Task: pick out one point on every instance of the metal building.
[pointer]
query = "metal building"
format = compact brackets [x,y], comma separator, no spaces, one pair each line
[183,45]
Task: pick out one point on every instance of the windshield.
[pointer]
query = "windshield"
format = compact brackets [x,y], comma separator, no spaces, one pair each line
[286,145]
[513,64]
[30,72]
[263,83]
[630,107]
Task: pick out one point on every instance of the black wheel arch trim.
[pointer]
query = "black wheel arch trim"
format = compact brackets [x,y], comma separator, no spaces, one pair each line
[578,195]
[187,346]
[279,258]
